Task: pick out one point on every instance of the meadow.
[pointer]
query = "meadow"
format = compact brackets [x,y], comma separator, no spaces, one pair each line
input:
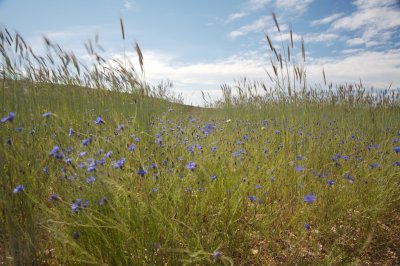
[99,168]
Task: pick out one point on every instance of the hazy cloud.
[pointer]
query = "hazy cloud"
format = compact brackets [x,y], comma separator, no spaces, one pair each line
[327,19]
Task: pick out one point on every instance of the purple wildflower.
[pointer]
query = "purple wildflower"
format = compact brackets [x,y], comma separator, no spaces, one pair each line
[142,172]
[119,164]
[191,165]
[131,147]
[18,189]
[90,180]
[252,198]
[91,168]
[103,201]
[108,154]
[309,198]
[397,149]
[10,117]
[47,114]
[85,142]
[76,235]
[99,120]
[53,197]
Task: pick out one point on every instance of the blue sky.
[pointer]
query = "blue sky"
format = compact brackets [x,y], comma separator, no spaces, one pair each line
[199,45]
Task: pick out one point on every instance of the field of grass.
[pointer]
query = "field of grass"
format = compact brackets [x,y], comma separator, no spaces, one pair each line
[126,177]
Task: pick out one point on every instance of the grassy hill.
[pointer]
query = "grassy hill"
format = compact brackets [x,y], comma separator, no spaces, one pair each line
[107,177]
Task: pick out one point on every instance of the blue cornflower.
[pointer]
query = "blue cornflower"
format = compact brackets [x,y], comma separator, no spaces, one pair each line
[47,114]
[10,117]
[70,132]
[46,170]
[153,166]
[330,182]
[120,127]
[300,168]
[252,198]
[90,180]
[159,139]
[374,165]
[91,168]
[216,255]
[191,165]
[68,160]
[19,129]
[258,186]
[137,139]
[85,142]
[307,226]
[53,197]
[82,154]
[309,198]
[56,153]
[75,207]
[19,189]
[155,190]
[373,146]
[213,177]
[397,149]
[108,154]
[213,149]
[99,120]
[346,157]
[100,162]
[119,164]
[76,235]
[55,150]
[131,147]
[348,177]
[78,205]
[142,172]
[103,201]
[245,137]
[238,153]
[396,163]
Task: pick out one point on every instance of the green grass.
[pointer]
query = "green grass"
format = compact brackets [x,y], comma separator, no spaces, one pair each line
[255,157]
[191,215]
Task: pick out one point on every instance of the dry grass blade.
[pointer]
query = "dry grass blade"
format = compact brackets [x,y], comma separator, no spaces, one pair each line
[269,42]
[291,36]
[323,73]
[140,55]
[303,51]
[122,28]
[276,21]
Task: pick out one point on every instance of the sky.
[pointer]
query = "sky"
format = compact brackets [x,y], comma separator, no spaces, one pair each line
[199,45]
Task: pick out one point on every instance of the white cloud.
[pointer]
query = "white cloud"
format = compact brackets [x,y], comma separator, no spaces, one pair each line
[327,19]
[321,37]
[128,4]
[257,4]
[377,69]
[366,4]
[299,6]
[236,16]
[257,26]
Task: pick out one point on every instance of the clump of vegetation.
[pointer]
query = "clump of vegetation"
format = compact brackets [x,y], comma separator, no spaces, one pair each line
[120,175]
